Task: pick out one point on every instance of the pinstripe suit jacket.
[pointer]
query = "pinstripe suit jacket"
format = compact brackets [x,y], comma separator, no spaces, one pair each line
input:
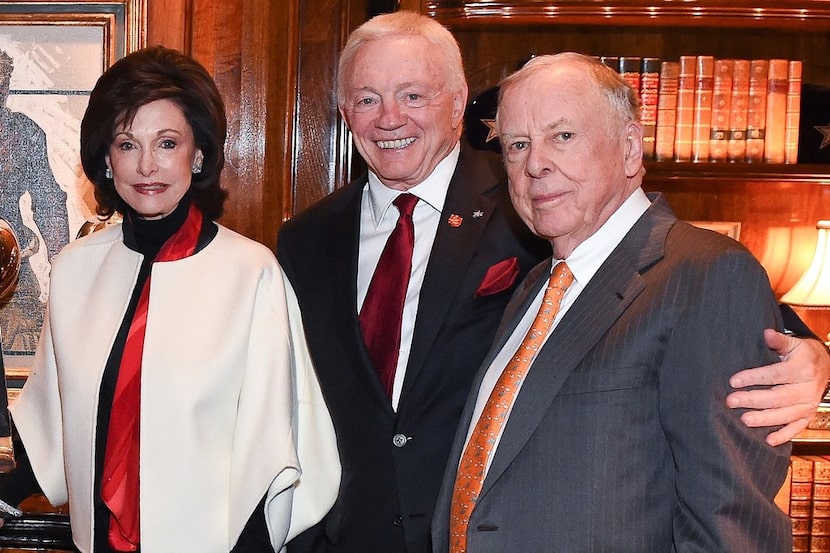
[620,440]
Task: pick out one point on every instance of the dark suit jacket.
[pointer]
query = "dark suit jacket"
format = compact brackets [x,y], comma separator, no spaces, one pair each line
[388,491]
[620,440]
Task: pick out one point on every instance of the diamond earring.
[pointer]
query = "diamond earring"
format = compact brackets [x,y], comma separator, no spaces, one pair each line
[108,173]
[196,168]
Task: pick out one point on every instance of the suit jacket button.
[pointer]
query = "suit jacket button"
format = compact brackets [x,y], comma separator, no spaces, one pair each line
[399,440]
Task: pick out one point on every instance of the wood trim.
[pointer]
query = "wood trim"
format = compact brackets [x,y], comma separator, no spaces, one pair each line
[642,13]
[285,66]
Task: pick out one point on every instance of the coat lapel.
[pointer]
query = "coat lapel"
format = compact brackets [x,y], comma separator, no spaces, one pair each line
[452,252]
[341,264]
[607,296]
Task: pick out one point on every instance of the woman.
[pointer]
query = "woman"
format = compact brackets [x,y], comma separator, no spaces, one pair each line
[162,402]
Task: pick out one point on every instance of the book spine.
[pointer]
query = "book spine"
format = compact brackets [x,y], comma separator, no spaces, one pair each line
[629,69]
[666,111]
[704,88]
[801,494]
[649,91]
[736,148]
[820,512]
[756,118]
[685,109]
[721,109]
[774,140]
[793,111]
[782,498]
[611,61]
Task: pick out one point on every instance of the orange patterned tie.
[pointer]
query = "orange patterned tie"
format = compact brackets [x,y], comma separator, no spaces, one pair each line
[471,469]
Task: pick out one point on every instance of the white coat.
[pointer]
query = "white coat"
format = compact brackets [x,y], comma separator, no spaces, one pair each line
[230,406]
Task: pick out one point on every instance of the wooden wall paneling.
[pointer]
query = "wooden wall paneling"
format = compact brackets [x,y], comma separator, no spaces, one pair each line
[168,23]
[249,46]
[322,145]
[216,41]
[275,64]
[765,208]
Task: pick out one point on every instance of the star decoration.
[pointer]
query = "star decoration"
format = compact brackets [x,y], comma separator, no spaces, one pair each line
[825,135]
[492,133]
[478,213]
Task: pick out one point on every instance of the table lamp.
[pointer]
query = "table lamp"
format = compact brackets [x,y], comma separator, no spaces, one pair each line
[812,290]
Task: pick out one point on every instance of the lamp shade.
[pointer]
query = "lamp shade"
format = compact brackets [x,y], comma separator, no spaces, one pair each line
[812,291]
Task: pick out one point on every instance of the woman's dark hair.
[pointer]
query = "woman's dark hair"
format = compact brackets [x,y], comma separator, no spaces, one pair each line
[151,74]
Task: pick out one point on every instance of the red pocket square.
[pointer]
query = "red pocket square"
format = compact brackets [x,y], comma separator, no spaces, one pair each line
[499,277]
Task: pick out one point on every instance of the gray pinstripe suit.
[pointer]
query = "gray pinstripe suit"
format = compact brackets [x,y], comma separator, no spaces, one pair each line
[620,440]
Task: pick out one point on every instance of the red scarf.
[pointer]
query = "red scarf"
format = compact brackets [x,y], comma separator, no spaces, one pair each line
[120,487]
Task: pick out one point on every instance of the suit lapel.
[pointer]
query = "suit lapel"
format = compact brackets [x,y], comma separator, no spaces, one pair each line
[345,228]
[607,296]
[451,255]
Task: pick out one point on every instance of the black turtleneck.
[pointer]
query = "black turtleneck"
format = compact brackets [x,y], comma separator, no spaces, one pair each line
[147,236]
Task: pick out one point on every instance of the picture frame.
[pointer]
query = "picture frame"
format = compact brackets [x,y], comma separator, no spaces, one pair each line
[732,229]
[51,54]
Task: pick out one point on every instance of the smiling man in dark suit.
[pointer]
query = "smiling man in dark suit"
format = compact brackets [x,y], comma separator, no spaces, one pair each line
[401,89]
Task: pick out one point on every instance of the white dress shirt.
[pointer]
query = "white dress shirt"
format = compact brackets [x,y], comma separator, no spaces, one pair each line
[584,262]
[378,218]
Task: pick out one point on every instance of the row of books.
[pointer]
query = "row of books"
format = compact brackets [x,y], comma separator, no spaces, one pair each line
[805,496]
[707,109]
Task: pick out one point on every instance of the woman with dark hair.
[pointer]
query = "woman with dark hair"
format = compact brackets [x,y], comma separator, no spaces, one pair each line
[171,399]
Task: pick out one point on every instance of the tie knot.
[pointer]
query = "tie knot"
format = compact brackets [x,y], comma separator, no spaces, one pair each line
[406,204]
[562,277]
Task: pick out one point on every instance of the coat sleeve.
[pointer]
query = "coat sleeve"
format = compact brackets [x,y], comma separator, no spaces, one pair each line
[39,420]
[316,490]
[726,474]
[264,457]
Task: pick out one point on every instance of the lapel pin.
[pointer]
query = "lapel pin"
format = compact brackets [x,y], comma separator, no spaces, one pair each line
[455,220]
[478,213]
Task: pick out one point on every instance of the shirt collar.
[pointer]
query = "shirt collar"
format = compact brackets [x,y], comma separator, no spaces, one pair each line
[432,190]
[587,257]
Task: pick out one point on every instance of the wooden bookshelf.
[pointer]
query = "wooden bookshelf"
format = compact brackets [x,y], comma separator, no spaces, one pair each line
[496,37]
[812,442]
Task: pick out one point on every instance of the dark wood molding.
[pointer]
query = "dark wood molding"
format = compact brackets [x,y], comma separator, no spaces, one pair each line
[712,13]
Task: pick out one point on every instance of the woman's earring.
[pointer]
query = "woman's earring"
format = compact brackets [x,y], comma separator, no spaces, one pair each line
[196,168]
[108,173]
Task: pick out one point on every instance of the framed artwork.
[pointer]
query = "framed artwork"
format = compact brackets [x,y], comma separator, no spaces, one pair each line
[51,54]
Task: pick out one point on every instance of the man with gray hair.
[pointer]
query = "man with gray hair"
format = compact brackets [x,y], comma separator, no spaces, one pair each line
[599,420]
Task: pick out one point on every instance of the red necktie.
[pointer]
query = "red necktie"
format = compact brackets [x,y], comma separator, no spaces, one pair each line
[471,469]
[380,316]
